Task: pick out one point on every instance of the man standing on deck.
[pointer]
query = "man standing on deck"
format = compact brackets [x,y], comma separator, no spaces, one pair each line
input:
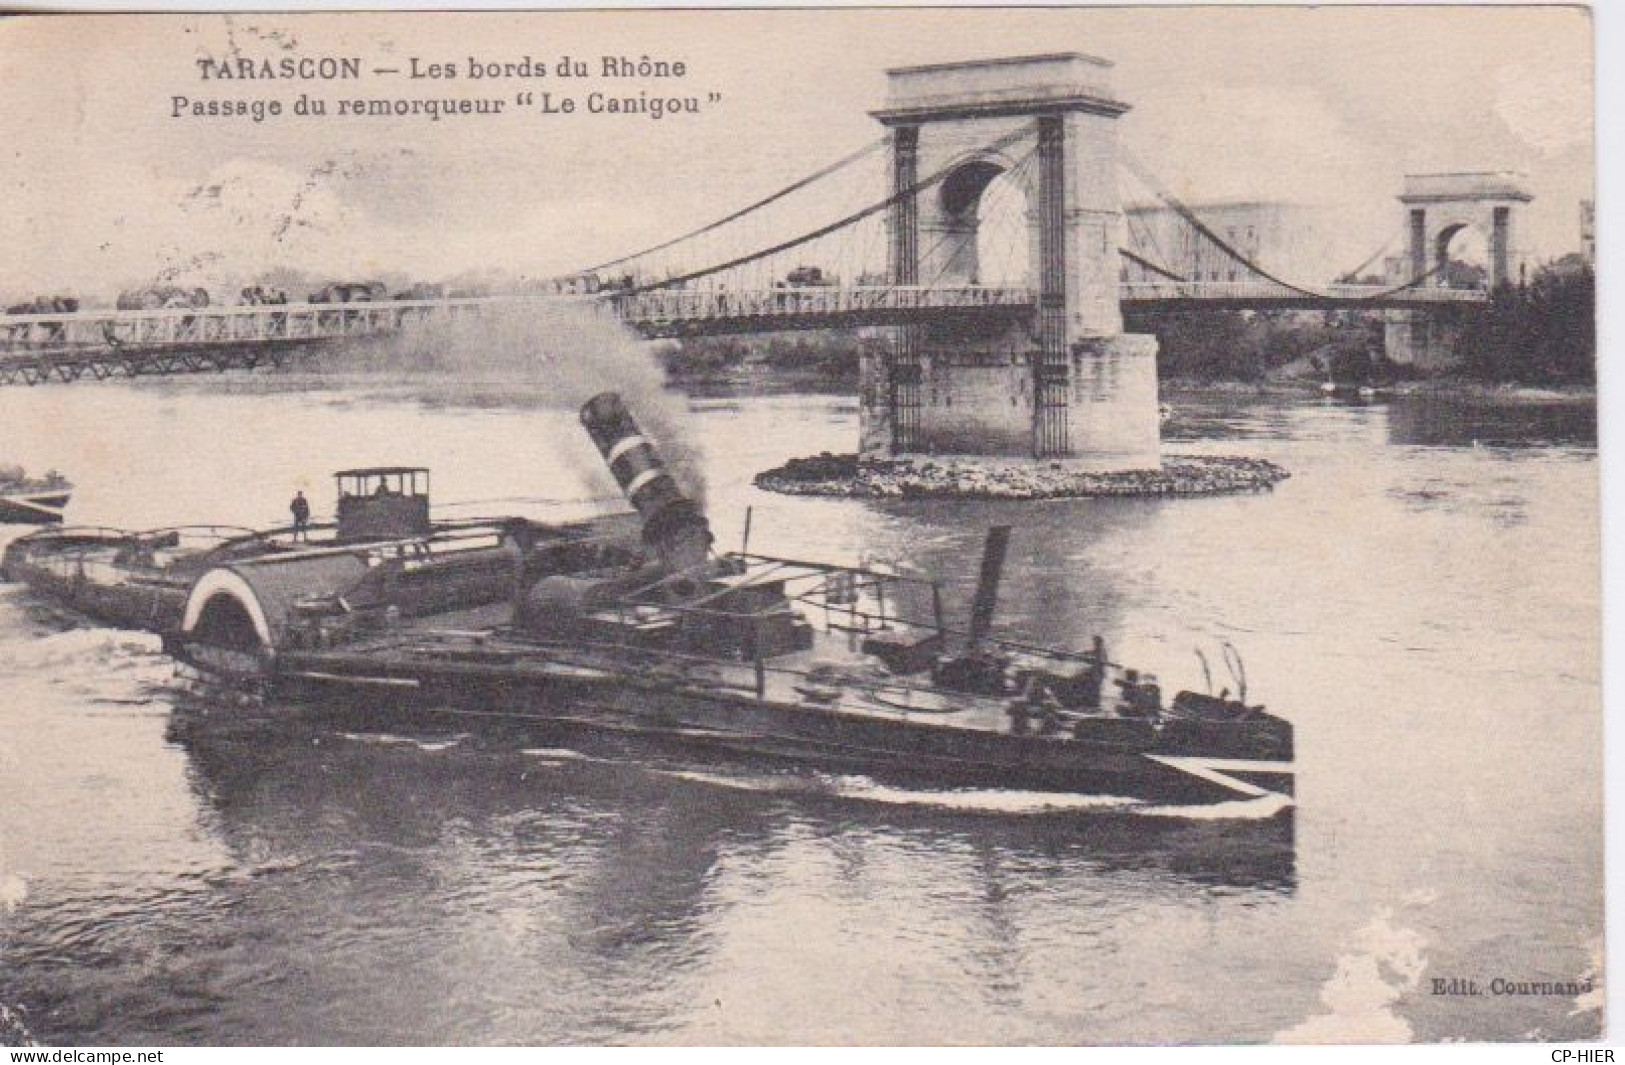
[300,508]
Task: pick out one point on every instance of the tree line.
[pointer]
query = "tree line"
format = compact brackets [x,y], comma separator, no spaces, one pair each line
[1540,333]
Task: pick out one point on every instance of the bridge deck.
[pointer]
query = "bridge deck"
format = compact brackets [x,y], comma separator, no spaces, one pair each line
[104,343]
[689,312]
[1268,294]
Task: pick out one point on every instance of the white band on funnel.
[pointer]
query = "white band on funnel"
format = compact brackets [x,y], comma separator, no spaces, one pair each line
[625,444]
[642,479]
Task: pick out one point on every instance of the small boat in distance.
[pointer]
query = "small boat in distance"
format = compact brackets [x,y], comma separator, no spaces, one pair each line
[28,500]
[1359,393]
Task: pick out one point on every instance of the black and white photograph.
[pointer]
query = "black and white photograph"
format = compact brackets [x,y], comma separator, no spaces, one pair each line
[923,526]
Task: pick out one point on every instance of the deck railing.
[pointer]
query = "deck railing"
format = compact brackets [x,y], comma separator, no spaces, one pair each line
[1243,291]
[664,305]
[103,330]
[104,343]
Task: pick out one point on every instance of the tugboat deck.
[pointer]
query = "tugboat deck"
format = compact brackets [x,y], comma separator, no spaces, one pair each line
[470,643]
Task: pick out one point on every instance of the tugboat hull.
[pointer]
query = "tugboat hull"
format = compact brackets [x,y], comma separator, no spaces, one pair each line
[563,696]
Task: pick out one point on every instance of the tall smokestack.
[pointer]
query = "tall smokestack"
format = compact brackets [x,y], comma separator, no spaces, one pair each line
[672,525]
[987,584]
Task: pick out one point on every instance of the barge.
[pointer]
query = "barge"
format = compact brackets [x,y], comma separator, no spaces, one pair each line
[382,550]
[643,630]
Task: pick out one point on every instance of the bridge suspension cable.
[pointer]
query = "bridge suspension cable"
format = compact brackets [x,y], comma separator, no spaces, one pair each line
[1017,170]
[1369,259]
[930,180]
[1419,279]
[1191,218]
[1395,290]
[1184,211]
[1148,240]
[1147,264]
[795,186]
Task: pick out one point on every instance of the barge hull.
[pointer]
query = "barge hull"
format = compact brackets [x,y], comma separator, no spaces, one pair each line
[149,606]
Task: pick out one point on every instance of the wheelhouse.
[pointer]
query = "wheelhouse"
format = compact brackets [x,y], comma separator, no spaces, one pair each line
[382,502]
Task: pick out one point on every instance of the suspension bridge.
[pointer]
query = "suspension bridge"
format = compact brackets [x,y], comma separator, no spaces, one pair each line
[985,227]
[65,346]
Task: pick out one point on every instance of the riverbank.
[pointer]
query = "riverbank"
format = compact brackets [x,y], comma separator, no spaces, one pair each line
[1437,387]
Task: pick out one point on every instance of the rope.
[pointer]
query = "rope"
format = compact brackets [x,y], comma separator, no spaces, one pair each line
[851,219]
[743,211]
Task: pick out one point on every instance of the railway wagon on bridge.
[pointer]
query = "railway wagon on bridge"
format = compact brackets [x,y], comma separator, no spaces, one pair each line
[46,305]
[350,292]
[157,297]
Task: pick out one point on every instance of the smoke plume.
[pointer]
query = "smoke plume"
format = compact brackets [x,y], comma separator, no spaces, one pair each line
[571,349]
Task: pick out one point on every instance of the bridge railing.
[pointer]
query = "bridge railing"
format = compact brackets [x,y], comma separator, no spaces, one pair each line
[100,330]
[1242,291]
[811,301]
[65,335]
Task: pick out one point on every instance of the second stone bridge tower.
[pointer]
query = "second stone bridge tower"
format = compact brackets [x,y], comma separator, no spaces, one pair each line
[1064,383]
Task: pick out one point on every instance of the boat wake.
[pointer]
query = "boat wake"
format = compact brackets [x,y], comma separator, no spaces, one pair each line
[1379,970]
[390,739]
[102,666]
[78,648]
[977,800]
[1258,808]
[858,788]
[992,801]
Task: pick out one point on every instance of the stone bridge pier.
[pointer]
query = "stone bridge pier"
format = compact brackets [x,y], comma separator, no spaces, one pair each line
[1064,383]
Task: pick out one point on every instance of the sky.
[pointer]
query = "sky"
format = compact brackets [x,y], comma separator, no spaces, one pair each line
[1321,105]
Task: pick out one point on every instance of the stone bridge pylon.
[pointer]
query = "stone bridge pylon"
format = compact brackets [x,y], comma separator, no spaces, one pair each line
[1064,382]
[1438,209]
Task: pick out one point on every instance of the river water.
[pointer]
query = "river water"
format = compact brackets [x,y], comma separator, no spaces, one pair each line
[1420,599]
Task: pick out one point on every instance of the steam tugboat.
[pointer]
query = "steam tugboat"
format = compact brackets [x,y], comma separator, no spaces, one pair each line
[28,500]
[645,631]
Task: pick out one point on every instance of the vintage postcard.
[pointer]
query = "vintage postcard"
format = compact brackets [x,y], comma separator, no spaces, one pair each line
[836,526]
